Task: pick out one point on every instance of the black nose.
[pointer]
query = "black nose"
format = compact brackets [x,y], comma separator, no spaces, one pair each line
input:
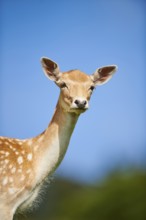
[80,104]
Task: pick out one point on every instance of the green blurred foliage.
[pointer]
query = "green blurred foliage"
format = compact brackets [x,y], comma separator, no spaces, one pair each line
[121,196]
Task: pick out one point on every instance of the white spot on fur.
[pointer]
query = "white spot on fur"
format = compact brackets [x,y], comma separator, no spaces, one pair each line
[10,166]
[2,152]
[20,160]
[6,161]
[29,156]
[19,170]
[12,148]
[13,170]
[30,142]
[5,181]
[28,171]
[11,190]
[7,154]
[10,179]
[16,152]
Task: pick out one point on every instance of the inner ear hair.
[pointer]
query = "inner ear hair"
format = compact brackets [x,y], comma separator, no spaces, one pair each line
[48,64]
[107,70]
[51,69]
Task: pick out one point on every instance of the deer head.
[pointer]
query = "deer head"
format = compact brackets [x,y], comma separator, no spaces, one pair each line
[76,87]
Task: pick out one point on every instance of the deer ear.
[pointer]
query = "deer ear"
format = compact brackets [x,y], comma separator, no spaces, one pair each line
[51,69]
[103,75]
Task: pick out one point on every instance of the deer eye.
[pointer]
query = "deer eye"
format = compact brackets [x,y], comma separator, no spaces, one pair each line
[92,88]
[63,85]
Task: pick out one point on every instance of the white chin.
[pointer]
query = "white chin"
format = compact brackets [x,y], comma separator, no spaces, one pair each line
[77,110]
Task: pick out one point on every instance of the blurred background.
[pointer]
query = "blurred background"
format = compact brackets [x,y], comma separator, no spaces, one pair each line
[103,173]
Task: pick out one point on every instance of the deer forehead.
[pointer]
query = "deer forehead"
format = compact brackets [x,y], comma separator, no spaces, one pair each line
[75,77]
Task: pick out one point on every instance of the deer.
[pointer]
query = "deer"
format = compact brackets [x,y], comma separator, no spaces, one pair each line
[26,163]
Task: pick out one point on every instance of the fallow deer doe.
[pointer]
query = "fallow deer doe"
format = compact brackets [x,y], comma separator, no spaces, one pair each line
[25,164]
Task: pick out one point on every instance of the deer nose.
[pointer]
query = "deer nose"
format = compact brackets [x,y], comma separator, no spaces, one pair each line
[80,103]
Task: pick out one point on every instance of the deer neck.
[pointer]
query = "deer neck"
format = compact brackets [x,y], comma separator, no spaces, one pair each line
[54,141]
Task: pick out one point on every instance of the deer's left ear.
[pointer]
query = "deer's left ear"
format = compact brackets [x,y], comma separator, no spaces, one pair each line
[103,75]
[51,69]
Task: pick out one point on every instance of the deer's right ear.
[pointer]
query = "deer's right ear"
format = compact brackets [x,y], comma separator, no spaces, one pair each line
[51,69]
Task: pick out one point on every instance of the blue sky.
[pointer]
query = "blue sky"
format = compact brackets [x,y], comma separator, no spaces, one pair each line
[79,34]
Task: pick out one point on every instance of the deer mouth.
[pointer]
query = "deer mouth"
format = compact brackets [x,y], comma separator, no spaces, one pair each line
[78,110]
